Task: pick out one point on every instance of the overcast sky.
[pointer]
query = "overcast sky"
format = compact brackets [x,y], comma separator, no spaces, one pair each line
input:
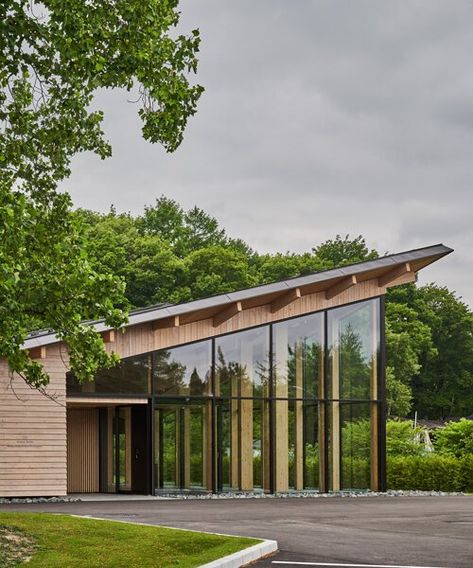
[319,117]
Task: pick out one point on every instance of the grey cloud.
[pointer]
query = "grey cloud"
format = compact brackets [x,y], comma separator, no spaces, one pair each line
[319,117]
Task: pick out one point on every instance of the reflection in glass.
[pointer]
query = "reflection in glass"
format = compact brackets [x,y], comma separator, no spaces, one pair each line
[242,363]
[298,356]
[120,441]
[303,447]
[183,447]
[353,347]
[355,433]
[183,370]
[167,441]
[131,375]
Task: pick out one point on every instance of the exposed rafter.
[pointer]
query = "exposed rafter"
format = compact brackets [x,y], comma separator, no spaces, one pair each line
[285,299]
[108,336]
[340,287]
[37,352]
[227,314]
[164,323]
[393,274]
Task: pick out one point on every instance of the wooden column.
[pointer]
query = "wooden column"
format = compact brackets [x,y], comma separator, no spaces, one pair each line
[246,418]
[299,421]
[235,434]
[281,452]
[266,443]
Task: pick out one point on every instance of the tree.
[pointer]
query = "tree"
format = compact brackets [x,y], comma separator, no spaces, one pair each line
[445,384]
[54,56]
[185,231]
[341,251]
[146,262]
[216,270]
[398,395]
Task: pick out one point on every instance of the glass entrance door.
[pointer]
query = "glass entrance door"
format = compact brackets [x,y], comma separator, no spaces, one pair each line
[183,448]
[119,449]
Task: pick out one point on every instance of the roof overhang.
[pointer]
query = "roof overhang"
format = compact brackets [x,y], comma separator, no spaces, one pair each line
[386,269]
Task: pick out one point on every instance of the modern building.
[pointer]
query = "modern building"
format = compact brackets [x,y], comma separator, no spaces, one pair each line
[275,388]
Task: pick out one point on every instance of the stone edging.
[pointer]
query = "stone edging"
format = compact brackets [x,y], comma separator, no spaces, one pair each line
[245,556]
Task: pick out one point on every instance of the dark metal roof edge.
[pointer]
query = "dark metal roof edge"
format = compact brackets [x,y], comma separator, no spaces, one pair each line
[143,315]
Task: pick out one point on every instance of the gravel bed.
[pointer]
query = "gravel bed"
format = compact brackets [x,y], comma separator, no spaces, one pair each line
[252,495]
[310,495]
[17,500]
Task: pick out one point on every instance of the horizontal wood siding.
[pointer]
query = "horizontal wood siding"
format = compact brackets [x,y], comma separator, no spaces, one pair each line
[33,432]
[83,450]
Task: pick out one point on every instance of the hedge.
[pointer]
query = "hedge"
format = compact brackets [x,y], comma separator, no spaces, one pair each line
[430,473]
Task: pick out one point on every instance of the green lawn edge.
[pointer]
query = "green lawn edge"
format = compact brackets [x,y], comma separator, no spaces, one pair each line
[75,542]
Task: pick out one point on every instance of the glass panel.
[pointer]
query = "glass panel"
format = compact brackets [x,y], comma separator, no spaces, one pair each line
[303,446]
[311,447]
[242,363]
[121,440]
[355,433]
[166,422]
[298,356]
[228,430]
[244,445]
[353,335]
[183,447]
[261,445]
[129,376]
[183,370]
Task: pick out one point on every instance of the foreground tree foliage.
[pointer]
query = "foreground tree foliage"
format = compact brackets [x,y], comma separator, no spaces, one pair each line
[54,56]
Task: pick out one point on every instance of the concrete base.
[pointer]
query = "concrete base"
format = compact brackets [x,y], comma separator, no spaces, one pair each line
[244,557]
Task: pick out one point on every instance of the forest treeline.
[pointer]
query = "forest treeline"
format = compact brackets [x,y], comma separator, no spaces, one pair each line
[168,254]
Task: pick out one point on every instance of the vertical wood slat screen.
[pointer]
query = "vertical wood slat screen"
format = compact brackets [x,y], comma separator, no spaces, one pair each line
[83,450]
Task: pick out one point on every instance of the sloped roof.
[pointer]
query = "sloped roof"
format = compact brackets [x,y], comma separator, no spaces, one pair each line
[258,295]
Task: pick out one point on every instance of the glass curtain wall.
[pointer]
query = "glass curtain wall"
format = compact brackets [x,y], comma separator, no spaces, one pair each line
[298,386]
[289,406]
[183,418]
[352,395]
[242,372]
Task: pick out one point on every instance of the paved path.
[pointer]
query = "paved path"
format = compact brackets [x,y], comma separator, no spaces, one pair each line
[401,531]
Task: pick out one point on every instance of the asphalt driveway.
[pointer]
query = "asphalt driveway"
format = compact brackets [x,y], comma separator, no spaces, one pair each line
[400,531]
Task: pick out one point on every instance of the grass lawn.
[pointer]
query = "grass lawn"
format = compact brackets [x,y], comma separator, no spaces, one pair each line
[59,541]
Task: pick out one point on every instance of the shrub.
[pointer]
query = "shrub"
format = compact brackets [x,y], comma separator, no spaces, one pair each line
[430,473]
[401,439]
[455,439]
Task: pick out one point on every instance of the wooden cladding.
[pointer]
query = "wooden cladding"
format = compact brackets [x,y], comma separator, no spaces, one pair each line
[33,432]
[82,450]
